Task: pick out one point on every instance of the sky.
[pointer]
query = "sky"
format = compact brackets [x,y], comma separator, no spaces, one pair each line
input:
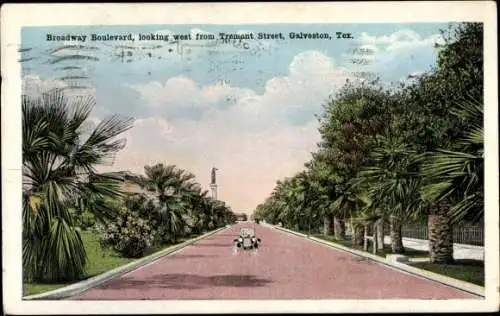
[246,107]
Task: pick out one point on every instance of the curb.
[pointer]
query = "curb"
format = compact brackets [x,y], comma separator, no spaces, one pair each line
[458,284]
[82,286]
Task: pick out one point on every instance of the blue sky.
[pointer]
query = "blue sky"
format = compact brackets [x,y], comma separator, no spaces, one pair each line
[248,111]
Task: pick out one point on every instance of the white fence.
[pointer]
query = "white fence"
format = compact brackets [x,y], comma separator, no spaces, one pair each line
[464,234]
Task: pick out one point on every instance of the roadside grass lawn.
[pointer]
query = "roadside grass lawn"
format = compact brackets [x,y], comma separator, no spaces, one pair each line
[100,260]
[468,270]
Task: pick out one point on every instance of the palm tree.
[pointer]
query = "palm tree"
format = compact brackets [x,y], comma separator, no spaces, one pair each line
[323,185]
[220,211]
[455,182]
[196,197]
[58,169]
[208,210]
[392,183]
[170,185]
[297,202]
[345,207]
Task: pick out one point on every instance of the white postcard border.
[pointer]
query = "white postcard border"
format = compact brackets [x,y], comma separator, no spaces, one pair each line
[14,17]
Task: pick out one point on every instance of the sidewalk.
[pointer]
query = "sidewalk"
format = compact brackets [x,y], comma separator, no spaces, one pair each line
[460,251]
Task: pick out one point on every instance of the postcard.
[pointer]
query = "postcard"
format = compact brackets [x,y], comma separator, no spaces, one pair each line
[250,158]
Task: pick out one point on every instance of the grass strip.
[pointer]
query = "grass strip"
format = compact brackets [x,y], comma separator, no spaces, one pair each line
[100,260]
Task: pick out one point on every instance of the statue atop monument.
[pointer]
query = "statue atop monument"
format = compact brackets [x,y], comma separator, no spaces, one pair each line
[213,175]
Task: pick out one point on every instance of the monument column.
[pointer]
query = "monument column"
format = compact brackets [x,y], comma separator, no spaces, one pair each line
[213,183]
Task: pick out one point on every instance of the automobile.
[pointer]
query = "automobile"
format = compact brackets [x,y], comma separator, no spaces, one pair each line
[247,240]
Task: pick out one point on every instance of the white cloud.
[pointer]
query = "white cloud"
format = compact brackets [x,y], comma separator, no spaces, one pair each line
[312,77]
[311,62]
[256,140]
[177,91]
[181,97]
[156,123]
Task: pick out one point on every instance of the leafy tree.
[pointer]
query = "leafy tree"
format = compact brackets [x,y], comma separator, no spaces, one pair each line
[349,126]
[410,153]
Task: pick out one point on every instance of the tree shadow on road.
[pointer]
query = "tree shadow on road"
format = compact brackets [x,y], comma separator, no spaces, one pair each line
[185,256]
[206,244]
[186,282]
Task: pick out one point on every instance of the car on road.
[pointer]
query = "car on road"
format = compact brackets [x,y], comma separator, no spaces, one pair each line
[247,240]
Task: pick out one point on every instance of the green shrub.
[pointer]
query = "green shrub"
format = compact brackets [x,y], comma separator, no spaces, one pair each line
[86,220]
[130,235]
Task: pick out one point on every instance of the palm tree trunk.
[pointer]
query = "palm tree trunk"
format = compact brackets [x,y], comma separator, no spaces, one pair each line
[380,234]
[327,225]
[440,235]
[359,234]
[339,230]
[396,235]
[332,225]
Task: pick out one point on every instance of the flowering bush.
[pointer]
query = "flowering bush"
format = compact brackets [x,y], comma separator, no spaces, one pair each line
[130,234]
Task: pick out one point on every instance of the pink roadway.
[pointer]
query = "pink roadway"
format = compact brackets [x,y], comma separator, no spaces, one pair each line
[285,267]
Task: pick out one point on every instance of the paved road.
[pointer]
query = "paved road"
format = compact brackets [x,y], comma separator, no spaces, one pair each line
[285,267]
